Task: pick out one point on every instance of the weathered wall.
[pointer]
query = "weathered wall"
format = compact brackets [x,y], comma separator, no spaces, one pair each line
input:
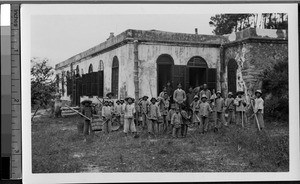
[148,54]
[252,58]
[125,57]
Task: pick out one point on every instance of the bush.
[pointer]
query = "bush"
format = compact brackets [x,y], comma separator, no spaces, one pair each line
[275,87]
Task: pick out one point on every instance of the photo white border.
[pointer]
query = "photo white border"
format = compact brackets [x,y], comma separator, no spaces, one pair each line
[293,174]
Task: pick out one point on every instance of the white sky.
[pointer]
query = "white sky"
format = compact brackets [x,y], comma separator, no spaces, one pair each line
[61,36]
[59,31]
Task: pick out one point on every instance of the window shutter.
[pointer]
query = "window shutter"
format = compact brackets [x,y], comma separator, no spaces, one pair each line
[211,78]
[88,84]
[94,83]
[101,83]
[69,86]
[84,85]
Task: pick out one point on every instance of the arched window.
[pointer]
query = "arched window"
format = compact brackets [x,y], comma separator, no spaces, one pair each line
[165,65]
[90,68]
[231,75]
[198,62]
[115,76]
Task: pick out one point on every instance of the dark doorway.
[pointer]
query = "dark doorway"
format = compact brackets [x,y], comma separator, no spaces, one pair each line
[197,76]
[231,76]
[164,71]
[197,71]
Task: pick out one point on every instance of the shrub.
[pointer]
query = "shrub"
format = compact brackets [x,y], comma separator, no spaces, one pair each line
[275,86]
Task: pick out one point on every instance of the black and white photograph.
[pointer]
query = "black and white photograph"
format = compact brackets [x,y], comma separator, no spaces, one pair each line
[158,88]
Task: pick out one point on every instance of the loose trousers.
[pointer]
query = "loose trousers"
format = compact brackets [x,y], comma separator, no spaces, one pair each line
[184,128]
[107,125]
[231,117]
[87,128]
[220,119]
[152,126]
[260,118]
[203,124]
[176,131]
[239,115]
[129,125]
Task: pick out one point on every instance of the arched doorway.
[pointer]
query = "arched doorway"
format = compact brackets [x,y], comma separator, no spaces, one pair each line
[165,65]
[197,71]
[231,75]
[115,76]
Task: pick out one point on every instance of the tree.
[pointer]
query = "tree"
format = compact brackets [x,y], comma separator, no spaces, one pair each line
[43,82]
[228,23]
[276,87]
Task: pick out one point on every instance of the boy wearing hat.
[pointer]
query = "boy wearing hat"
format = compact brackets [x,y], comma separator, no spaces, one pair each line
[118,110]
[176,121]
[259,108]
[205,109]
[129,112]
[219,107]
[190,97]
[169,117]
[144,103]
[153,116]
[106,116]
[164,107]
[185,120]
[240,103]
[229,105]
[88,111]
[195,105]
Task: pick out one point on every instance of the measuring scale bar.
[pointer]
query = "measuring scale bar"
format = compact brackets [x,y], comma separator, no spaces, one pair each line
[16,139]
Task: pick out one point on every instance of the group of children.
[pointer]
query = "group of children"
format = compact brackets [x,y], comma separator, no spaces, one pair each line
[173,114]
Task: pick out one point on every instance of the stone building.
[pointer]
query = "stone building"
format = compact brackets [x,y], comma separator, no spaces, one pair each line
[138,63]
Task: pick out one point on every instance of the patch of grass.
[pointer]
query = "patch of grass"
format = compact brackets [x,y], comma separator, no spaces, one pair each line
[58,148]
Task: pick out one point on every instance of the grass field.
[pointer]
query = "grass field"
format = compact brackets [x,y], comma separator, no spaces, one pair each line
[58,148]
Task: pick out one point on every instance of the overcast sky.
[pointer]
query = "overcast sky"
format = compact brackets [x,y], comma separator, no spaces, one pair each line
[62,35]
[59,32]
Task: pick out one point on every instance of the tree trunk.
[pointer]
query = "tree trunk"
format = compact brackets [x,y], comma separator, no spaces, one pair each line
[35,113]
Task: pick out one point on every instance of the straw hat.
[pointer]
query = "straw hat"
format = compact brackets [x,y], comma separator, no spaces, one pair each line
[127,98]
[145,97]
[196,96]
[110,93]
[86,101]
[230,93]
[203,96]
[240,92]
[258,91]
[153,99]
[218,92]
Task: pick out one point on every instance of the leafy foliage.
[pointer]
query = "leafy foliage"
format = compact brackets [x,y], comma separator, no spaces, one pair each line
[275,86]
[43,83]
[228,23]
